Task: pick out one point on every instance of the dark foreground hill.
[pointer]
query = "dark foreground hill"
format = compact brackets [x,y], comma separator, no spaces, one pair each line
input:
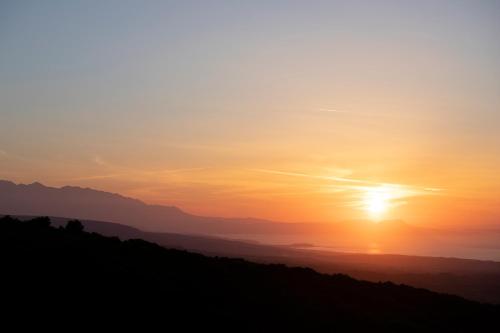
[68,273]
[471,279]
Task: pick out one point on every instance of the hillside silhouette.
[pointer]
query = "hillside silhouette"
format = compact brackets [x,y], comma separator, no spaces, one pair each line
[472,279]
[89,277]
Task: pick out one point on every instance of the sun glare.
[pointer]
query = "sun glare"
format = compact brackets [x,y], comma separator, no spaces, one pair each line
[376,202]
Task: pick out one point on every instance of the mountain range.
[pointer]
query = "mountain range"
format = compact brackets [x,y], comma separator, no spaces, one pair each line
[85,203]
[115,215]
[355,236]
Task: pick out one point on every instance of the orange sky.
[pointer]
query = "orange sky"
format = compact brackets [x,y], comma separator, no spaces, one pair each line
[306,112]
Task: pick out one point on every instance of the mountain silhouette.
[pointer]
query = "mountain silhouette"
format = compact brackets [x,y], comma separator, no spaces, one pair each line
[84,203]
[170,226]
[89,204]
[92,279]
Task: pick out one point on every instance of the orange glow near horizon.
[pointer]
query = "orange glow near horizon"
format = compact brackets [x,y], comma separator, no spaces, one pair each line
[289,192]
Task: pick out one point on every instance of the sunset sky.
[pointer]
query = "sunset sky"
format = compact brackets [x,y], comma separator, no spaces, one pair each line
[288,110]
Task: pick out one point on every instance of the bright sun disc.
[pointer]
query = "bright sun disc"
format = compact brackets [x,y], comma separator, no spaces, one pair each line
[376,201]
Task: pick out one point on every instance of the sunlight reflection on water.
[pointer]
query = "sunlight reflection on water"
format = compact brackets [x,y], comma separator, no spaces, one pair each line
[377,248]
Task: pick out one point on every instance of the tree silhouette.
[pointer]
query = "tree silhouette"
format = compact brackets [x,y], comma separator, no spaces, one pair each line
[74,226]
[39,222]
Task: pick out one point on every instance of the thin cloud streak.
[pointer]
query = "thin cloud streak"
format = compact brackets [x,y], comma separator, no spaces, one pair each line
[298,174]
[117,172]
[367,184]
[96,177]
[333,111]
[352,112]
[356,113]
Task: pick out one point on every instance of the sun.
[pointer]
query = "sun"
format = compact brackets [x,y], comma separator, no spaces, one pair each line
[376,202]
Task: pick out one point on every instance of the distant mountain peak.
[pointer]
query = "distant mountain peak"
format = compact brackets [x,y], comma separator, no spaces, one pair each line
[37,199]
[89,190]
[37,184]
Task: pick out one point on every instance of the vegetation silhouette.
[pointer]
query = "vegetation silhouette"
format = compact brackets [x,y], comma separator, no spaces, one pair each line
[94,279]
[74,226]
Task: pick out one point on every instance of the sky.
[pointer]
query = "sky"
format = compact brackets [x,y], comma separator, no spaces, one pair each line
[287,110]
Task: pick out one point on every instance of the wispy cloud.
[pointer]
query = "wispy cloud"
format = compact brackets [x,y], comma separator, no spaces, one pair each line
[332,110]
[100,161]
[111,170]
[356,184]
[171,171]
[354,113]
[298,174]
[96,177]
